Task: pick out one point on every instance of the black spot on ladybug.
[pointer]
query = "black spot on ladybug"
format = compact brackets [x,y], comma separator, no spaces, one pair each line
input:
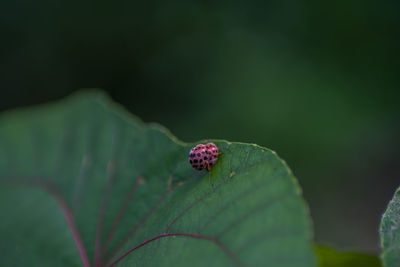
[190,161]
[201,160]
[195,161]
[198,154]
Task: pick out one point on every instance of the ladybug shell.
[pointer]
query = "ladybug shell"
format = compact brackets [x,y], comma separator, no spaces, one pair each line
[213,154]
[203,156]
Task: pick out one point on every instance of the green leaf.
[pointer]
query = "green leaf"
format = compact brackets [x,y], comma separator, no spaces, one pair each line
[328,257]
[390,233]
[84,182]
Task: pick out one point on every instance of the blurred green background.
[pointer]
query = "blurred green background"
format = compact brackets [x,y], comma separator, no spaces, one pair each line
[316,81]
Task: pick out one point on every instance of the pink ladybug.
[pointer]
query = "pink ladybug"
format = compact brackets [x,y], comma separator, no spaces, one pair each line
[203,156]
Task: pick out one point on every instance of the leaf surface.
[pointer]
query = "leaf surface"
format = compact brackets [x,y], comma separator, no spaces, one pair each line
[328,257]
[85,183]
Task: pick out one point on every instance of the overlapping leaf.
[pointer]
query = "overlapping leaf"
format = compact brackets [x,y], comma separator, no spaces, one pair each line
[390,233]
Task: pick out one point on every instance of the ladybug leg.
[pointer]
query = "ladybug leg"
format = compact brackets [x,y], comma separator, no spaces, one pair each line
[208,167]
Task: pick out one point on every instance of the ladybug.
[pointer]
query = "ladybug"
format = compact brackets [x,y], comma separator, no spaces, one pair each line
[203,156]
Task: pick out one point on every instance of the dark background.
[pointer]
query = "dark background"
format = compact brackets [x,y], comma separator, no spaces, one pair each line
[316,81]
